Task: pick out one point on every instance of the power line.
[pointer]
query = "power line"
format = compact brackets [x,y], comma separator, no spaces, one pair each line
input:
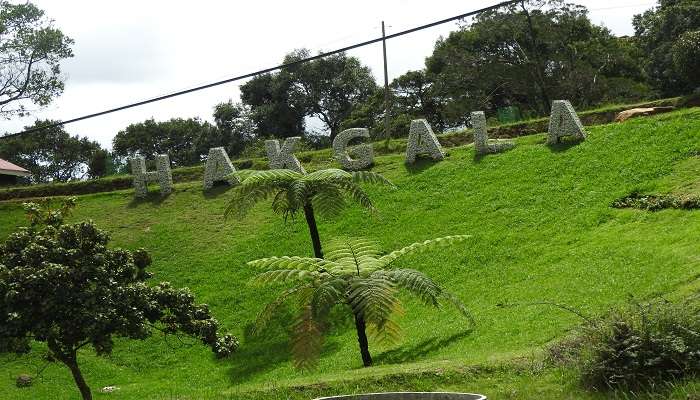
[270,69]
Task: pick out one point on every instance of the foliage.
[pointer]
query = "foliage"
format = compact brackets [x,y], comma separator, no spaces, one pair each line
[51,155]
[234,129]
[330,86]
[686,57]
[273,110]
[326,88]
[354,275]
[526,55]
[657,31]
[412,96]
[642,346]
[291,191]
[60,284]
[656,202]
[177,137]
[32,50]
[322,191]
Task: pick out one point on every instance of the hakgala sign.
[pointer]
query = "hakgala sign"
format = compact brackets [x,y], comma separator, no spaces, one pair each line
[421,141]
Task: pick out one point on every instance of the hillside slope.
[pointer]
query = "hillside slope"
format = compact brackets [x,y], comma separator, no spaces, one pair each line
[543,231]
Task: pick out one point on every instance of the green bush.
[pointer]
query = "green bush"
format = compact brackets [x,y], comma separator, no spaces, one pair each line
[652,202]
[641,346]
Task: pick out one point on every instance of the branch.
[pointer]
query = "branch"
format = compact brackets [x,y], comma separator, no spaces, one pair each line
[21,91]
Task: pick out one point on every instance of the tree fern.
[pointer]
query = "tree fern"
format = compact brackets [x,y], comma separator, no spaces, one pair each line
[353,274]
[324,191]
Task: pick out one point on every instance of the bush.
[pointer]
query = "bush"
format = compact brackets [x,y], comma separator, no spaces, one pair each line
[641,346]
[651,202]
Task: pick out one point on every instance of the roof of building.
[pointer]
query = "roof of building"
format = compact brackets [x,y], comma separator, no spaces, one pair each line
[7,168]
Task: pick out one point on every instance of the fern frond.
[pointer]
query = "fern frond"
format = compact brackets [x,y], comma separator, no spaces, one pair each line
[244,198]
[284,275]
[271,176]
[237,177]
[307,340]
[357,194]
[370,177]
[353,250]
[374,299]
[325,175]
[415,282]
[422,246]
[328,201]
[457,303]
[271,308]
[389,334]
[329,293]
[294,262]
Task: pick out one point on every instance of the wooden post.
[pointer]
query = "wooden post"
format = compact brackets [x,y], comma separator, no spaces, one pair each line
[387,106]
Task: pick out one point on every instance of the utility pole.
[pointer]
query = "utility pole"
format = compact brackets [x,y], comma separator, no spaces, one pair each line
[387,106]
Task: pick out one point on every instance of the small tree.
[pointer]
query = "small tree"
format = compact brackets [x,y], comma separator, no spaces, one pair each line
[292,192]
[32,50]
[353,275]
[61,285]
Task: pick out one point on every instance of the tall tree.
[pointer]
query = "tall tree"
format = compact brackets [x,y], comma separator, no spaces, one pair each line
[177,137]
[273,110]
[51,155]
[412,96]
[326,88]
[234,129]
[656,32]
[525,55]
[60,284]
[330,86]
[31,50]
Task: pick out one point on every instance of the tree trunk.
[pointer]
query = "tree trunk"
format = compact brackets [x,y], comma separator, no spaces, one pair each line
[72,363]
[362,340]
[313,230]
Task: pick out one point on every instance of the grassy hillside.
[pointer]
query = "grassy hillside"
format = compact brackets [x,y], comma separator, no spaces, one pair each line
[543,230]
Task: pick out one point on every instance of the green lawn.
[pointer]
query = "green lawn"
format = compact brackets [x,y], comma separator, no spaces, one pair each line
[543,230]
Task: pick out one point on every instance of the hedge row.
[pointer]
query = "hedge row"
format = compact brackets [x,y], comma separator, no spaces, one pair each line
[108,184]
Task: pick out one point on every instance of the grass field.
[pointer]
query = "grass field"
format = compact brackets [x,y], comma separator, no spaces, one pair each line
[543,230]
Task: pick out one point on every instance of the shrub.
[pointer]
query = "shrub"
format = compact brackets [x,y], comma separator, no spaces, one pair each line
[641,346]
[656,203]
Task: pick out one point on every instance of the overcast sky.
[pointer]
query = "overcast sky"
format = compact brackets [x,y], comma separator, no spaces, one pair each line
[129,50]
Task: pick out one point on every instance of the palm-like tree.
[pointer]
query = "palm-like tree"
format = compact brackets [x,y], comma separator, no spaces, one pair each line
[322,191]
[353,274]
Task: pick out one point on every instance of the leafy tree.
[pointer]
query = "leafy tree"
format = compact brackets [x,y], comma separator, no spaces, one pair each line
[412,96]
[51,155]
[273,111]
[326,88]
[60,284]
[329,87]
[527,55]
[234,129]
[356,276]
[656,32]
[321,191]
[177,137]
[686,57]
[32,49]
